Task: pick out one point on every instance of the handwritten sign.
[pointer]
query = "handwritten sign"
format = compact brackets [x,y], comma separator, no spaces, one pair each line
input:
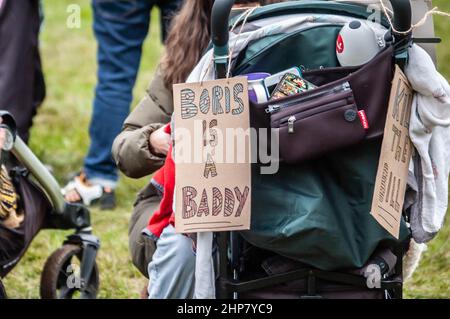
[212,156]
[396,150]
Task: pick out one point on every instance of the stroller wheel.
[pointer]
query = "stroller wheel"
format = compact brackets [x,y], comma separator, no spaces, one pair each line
[2,291]
[60,278]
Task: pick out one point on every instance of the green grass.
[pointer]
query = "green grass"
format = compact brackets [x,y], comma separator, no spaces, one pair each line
[432,278]
[60,139]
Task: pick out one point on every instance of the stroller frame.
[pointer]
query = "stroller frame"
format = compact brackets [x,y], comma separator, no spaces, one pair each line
[64,215]
[228,284]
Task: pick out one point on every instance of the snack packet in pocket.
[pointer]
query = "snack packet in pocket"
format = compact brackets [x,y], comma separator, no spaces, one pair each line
[291,84]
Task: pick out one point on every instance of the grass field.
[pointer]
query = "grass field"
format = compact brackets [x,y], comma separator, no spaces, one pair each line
[60,139]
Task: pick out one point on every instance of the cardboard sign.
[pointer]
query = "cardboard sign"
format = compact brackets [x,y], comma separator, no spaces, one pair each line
[212,156]
[396,150]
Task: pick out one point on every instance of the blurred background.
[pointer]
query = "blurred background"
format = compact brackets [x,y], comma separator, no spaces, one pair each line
[60,139]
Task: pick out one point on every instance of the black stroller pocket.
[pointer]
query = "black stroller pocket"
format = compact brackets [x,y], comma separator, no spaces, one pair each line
[370,83]
[311,125]
[349,107]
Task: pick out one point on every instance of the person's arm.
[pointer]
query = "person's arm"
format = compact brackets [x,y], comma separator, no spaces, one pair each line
[139,150]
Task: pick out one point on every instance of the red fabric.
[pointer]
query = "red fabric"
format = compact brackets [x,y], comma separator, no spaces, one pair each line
[164,179]
[167,129]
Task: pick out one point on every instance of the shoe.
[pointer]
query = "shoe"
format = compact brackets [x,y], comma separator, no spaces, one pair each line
[89,194]
[108,199]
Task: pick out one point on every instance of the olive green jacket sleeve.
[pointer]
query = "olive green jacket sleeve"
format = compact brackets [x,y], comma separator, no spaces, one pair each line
[131,150]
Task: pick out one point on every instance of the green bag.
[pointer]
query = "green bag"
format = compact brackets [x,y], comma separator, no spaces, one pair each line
[319,212]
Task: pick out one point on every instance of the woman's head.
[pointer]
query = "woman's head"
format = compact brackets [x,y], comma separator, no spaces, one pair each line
[186,40]
[189,36]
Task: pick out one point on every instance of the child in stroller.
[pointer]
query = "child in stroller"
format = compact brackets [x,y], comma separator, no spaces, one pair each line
[30,201]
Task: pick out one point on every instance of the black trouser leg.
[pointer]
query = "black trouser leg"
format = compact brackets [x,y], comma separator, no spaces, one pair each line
[22,87]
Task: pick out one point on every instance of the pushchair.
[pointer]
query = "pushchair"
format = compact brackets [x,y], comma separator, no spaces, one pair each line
[71,271]
[311,234]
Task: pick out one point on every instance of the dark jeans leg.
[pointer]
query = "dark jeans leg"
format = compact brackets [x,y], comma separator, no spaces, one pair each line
[22,87]
[120,27]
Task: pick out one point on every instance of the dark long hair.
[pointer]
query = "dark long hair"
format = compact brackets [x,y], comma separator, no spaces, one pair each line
[188,37]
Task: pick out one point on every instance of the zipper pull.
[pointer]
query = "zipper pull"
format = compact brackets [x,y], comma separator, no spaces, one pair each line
[291,122]
[272,108]
[346,86]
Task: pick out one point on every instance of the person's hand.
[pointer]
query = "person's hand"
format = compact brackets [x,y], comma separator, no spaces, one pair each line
[159,142]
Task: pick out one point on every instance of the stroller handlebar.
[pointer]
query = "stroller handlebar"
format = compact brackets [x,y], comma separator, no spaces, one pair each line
[21,151]
[402,15]
[9,122]
[220,17]
[41,173]
[222,9]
